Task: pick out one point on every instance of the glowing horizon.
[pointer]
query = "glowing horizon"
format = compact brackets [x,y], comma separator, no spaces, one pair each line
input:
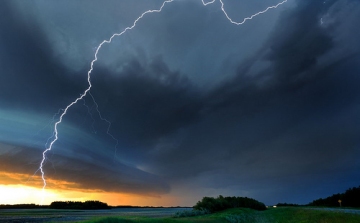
[21,194]
[19,189]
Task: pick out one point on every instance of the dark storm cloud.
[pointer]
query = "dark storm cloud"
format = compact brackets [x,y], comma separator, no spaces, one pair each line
[83,173]
[289,115]
[301,120]
[33,79]
[298,43]
[30,74]
[150,100]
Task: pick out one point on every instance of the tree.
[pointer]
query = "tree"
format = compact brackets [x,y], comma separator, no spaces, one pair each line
[221,203]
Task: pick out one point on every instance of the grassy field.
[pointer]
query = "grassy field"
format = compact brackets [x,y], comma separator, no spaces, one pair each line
[272,215]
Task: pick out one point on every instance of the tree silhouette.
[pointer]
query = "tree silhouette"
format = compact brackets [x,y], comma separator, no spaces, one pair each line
[87,205]
[221,203]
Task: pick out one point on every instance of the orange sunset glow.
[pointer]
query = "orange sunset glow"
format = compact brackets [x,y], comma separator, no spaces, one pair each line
[23,189]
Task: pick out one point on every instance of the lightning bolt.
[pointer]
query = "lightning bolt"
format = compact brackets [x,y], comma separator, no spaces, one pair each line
[207,3]
[252,16]
[91,116]
[55,135]
[246,18]
[108,122]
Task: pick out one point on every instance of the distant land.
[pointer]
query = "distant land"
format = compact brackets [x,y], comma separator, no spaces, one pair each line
[36,206]
[349,198]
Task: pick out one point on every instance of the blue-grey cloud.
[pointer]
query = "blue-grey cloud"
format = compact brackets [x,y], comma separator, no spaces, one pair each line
[197,100]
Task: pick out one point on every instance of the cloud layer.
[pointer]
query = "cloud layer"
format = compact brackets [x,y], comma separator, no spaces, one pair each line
[199,106]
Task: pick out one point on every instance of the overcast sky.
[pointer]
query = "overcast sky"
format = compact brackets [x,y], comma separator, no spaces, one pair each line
[198,106]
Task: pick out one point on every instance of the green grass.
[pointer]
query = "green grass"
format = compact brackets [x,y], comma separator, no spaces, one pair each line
[306,215]
[272,215]
[197,219]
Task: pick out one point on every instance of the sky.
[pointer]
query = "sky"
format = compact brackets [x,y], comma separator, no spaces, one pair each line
[197,106]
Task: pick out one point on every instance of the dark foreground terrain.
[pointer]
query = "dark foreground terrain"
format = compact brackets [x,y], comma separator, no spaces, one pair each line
[165,215]
[54,215]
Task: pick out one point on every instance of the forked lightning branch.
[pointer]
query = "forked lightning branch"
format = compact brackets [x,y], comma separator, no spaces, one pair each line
[55,136]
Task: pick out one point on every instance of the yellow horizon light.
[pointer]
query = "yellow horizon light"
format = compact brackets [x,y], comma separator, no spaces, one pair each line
[20,194]
[17,188]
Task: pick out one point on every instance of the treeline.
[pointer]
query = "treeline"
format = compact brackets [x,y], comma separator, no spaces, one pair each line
[287,205]
[87,205]
[131,206]
[222,203]
[22,206]
[351,198]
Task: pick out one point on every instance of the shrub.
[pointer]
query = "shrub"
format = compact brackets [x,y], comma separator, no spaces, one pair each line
[286,205]
[191,213]
[221,203]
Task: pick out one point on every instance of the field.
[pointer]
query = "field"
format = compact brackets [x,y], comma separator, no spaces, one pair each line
[165,215]
[57,215]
